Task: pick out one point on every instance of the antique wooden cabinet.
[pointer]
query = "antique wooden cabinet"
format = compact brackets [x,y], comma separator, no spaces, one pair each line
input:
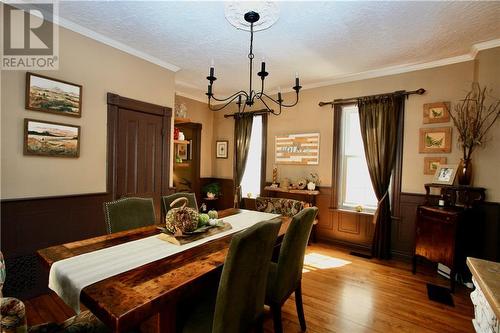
[445,234]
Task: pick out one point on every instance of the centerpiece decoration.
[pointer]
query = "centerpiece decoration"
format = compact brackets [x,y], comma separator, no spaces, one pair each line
[184,225]
[181,220]
[473,116]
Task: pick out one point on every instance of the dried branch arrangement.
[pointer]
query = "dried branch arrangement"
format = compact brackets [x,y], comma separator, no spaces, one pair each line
[473,117]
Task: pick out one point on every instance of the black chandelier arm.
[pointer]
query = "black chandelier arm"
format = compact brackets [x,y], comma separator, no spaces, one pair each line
[282,104]
[226,104]
[236,94]
[267,106]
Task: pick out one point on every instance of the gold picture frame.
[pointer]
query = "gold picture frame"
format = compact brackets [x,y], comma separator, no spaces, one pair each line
[436,112]
[435,140]
[445,174]
[431,164]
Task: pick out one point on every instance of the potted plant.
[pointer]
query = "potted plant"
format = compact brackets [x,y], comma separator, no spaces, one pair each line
[212,190]
[473,116]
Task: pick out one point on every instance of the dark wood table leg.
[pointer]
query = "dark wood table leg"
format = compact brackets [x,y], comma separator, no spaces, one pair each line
[163,322]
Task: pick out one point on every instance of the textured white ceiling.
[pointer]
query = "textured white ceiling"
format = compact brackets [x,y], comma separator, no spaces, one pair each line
[320,40]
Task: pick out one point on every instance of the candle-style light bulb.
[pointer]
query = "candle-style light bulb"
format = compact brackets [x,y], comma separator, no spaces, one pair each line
[297,79]
[263,65]
[279,94]
[212,67]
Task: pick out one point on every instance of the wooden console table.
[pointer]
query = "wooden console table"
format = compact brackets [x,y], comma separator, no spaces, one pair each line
[310,196]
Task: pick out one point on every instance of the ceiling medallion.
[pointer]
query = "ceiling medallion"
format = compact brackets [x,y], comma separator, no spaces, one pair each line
[268,12]
[249,98]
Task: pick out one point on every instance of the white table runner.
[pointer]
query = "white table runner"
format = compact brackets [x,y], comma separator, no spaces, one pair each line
[68,277]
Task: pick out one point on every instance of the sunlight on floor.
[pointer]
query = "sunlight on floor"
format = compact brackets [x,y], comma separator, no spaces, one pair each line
[314,261]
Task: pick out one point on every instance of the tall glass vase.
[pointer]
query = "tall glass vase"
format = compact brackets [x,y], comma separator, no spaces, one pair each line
[464,172]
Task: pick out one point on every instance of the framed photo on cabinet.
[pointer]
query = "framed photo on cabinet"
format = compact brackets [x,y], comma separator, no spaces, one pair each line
[445,174]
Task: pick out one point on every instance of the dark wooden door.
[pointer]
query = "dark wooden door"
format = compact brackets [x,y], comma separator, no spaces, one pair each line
[139,155]
[140,152]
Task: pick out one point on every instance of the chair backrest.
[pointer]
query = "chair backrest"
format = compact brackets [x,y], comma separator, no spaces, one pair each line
[240,298]
[168,199]
[129,213]
[291,257]
[283,206]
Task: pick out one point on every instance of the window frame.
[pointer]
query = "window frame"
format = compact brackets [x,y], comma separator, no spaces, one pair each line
[342,160]
[395,187]
[263,160]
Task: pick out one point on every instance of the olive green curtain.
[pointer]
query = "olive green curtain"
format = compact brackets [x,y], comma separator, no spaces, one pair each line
[242,133]
[379,120]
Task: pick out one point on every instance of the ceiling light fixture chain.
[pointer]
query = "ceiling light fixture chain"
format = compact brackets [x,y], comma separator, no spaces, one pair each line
[250,97]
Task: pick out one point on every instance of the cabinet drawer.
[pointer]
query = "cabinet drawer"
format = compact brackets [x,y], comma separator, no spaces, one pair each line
[424,214]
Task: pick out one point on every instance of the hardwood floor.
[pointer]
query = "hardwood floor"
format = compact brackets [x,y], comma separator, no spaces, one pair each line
[344,293]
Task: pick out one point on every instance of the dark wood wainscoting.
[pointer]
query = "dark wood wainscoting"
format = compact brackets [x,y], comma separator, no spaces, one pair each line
[36,223]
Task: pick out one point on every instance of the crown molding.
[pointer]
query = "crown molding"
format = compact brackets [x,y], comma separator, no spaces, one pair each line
[191,96]
[115,44]
[70,25]
[399,69]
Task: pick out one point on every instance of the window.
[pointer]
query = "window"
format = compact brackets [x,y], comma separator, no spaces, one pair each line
[251,182]
[355,187]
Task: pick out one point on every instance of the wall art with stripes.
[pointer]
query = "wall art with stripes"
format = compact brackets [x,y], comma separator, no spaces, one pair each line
[301,149]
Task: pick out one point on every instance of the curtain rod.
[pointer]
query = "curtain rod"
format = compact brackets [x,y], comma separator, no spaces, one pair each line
[253,113]
[355,99]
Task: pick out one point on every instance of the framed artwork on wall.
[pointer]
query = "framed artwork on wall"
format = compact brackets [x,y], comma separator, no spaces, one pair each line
[221,148]
[445,174]
[299,149]
[46,94]
[435,140]
[45,138]
[431,164]
[436,112]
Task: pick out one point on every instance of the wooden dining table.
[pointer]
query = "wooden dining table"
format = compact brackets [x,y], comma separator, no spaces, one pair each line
[147,296]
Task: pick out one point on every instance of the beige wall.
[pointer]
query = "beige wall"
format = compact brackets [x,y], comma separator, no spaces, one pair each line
[199,112]
[100,69]
[486,161]
[447,83]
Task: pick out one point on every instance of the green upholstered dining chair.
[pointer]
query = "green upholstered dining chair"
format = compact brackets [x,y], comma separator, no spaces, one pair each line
[168,199]
[285,276]
[239,303]
[282,206]
[128,213]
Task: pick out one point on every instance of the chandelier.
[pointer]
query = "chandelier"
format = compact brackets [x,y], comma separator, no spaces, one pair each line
[249,98]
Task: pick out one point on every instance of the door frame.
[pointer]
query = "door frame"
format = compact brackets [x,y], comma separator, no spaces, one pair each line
[117,102]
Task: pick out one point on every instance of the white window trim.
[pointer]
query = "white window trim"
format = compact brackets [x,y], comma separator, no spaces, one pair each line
[342,166]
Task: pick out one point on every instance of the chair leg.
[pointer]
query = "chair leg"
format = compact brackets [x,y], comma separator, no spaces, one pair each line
[276,310]
[300,307]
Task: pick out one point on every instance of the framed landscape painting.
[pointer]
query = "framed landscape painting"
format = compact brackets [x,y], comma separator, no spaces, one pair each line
[431,164]
[45,138]
[435,140]
[436,112]
[54,96]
